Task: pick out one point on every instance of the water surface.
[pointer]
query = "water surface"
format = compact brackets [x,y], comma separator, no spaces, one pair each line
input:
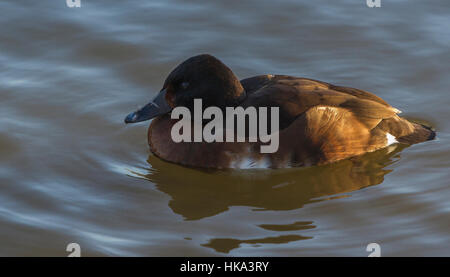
[71,171]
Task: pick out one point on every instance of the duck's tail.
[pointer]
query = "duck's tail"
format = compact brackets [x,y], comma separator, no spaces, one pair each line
[407,132]
[421,133]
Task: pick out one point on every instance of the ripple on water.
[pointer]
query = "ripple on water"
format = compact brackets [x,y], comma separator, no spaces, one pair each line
[8,146]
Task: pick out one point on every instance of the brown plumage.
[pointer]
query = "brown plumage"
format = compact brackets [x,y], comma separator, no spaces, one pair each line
[319,122]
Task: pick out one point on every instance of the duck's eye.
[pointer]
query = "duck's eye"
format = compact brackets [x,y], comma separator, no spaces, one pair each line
[184,85]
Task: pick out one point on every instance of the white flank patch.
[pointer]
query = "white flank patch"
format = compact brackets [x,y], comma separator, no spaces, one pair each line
[249,163]
[396,110]
[390,139]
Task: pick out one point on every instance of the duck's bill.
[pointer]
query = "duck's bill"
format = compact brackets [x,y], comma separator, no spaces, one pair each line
[158,106]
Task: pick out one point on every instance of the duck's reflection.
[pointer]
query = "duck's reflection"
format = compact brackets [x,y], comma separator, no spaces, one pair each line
[198,193]
[226,245]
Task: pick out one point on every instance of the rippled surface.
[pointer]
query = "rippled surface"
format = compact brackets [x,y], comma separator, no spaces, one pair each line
[71,171]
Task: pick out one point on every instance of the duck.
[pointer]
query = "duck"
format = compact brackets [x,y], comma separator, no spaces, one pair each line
[319,123]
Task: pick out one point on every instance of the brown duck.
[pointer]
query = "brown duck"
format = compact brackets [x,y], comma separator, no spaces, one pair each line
[319,123]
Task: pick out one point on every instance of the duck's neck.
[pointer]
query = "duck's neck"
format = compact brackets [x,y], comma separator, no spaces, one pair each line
[235,93]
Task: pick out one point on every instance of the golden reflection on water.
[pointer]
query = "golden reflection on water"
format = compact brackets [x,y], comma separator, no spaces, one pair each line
[198,193]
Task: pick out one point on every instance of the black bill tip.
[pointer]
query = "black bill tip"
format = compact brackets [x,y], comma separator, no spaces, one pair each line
[157,107]
[131,118]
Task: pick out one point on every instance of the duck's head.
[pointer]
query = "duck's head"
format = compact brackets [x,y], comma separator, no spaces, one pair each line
[200,77]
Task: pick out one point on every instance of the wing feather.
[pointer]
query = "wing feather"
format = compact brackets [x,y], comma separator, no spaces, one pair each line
[294,96]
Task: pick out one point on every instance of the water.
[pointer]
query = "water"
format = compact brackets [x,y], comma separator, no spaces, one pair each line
[71,171]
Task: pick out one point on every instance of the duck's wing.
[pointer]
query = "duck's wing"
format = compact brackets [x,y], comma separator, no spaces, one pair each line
[255,83]
[322,123]
[294,96]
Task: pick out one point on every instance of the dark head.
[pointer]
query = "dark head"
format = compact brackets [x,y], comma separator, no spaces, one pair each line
[200,77]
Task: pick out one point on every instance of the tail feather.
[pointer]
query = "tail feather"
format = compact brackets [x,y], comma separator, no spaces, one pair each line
[421,133]
[407,132]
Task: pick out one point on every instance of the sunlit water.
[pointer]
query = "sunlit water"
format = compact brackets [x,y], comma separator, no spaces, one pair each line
[71,171]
